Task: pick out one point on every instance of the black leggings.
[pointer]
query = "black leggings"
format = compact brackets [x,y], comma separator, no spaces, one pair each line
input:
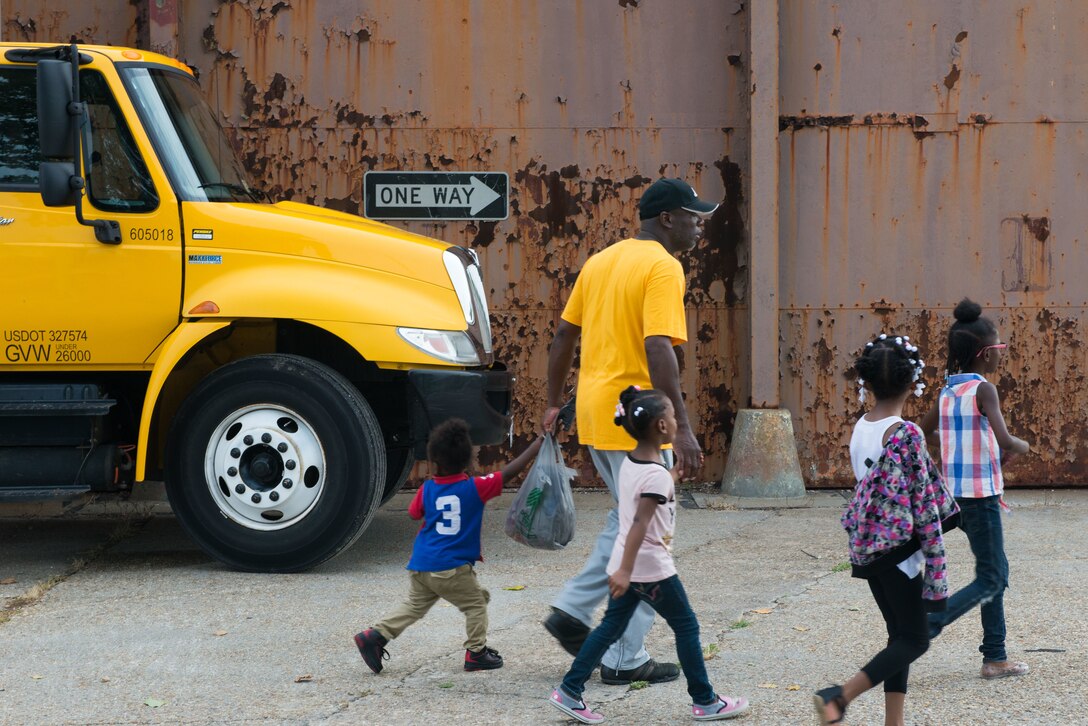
[900,602]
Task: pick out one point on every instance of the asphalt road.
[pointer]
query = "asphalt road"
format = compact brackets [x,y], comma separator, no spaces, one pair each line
[110,615]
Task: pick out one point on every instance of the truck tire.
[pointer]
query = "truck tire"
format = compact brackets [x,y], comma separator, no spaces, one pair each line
[275,463]
[400,462]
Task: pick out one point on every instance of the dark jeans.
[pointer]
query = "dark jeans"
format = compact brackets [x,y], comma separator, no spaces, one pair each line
[669,600]
[900,602]
[980,520]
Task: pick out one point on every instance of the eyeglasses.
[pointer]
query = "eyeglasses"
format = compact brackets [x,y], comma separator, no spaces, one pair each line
[999,346]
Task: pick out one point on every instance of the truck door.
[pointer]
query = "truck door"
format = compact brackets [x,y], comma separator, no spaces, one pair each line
[67,299]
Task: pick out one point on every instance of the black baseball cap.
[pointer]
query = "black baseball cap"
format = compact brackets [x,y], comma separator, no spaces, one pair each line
[665,195]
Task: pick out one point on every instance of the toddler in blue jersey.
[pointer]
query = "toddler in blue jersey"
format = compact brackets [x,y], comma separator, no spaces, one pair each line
[451,505]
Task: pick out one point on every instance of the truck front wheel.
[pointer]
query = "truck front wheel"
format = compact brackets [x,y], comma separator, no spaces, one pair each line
[275,463]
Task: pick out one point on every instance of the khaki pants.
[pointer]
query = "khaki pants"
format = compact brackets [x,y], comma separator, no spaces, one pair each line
[459,587]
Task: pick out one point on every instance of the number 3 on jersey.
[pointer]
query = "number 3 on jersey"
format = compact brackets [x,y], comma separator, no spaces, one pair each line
[450,522]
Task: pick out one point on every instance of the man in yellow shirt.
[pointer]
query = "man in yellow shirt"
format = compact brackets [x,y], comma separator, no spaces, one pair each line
[627,307]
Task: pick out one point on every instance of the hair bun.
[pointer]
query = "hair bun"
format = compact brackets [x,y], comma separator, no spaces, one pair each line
[628,394]
[967,311]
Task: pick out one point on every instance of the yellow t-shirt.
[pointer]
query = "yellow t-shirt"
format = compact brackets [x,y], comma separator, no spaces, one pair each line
[624,294]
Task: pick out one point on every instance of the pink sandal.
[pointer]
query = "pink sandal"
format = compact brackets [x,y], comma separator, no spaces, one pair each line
[1003,669]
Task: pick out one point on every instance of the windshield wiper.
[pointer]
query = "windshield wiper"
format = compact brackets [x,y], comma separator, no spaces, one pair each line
[237,189]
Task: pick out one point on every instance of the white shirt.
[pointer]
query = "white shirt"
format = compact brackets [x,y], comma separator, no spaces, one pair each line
[867,443]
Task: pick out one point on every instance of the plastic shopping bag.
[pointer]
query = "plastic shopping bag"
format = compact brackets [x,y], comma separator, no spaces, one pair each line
[542,513]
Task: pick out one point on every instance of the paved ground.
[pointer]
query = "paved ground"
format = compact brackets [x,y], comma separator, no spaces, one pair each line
[124,613]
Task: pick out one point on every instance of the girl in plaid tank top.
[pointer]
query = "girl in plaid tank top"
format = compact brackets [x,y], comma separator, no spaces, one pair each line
[974,443]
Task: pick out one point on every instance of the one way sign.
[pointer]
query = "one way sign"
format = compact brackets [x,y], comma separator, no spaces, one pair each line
[436,195]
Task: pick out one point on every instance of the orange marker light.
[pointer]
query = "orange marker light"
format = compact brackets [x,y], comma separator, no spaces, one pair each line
[131,54]
[205,308]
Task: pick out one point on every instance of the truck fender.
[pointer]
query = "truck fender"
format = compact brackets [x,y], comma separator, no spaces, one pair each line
[172,350]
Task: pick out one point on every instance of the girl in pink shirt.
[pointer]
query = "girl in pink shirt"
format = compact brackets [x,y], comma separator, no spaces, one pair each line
[641,568]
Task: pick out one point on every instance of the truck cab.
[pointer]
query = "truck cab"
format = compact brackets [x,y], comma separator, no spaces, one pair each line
[276,364]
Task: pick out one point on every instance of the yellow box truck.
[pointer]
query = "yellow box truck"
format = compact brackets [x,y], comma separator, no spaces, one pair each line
[277,365]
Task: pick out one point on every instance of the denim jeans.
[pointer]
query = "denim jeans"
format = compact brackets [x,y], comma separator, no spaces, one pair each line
[980,520]
[585,591]
[669,600]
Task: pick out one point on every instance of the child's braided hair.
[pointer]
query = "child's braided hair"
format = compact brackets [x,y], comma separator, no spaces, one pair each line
[890,364]
[638,408]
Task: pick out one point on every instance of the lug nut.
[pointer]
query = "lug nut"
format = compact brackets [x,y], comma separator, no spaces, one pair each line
[266,438]
[241,488]
[256,498]
[290,464]
[282,447]
[232,471]
[235,453]
[274,496]
[287,483]
[248,440]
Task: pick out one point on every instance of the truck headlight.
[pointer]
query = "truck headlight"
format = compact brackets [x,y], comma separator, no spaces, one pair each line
[448,345]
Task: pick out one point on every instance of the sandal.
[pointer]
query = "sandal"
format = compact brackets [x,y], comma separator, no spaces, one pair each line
[1003,669]
[829,695]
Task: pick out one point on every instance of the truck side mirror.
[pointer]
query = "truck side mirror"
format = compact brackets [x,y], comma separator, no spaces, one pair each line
[60,114]
[58,183]
[56,124]
[57,129]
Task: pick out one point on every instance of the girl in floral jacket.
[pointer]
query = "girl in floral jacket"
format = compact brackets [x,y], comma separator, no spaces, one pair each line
[894,522]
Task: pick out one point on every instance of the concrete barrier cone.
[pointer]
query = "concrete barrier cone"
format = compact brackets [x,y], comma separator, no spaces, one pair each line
[763,463]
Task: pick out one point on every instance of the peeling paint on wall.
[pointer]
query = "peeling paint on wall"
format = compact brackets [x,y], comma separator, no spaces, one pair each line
[971,186]
[119,22]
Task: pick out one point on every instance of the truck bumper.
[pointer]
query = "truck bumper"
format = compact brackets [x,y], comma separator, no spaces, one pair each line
[482,398]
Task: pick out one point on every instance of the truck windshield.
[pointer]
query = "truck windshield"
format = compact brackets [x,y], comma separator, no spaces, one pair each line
[195,151]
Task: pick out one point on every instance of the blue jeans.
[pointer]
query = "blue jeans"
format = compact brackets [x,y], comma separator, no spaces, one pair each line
[669,600]
[980,520]
[585,591]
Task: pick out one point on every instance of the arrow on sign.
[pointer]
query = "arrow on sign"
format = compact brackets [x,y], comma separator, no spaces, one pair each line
[475,195]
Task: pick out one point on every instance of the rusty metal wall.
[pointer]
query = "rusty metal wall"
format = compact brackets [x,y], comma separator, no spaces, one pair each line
[931,151]
[582,102]
[115,22]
